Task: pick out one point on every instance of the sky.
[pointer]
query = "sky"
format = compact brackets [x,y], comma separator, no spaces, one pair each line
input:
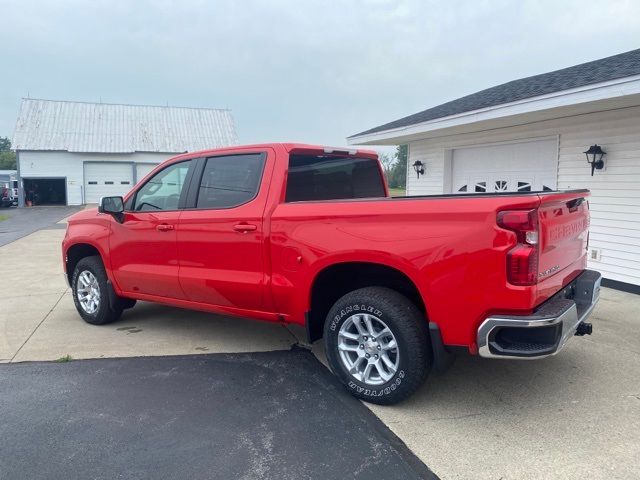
[295,70]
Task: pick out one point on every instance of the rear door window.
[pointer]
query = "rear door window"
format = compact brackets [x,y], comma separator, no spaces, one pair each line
[319,177]
[230,181]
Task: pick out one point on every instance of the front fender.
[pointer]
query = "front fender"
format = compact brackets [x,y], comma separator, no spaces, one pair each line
[94,234]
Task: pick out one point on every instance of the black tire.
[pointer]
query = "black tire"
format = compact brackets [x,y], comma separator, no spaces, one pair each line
[408,326]
[104,313]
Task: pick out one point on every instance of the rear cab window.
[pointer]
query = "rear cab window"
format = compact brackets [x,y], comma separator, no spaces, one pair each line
[330,177]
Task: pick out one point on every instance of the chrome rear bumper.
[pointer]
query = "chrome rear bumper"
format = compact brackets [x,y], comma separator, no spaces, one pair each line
[545,332]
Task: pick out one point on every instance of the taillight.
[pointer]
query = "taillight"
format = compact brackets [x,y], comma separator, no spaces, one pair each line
[588,231]
[522,260]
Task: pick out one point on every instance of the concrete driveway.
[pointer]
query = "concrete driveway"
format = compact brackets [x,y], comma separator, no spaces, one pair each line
[38,320]
[575,415]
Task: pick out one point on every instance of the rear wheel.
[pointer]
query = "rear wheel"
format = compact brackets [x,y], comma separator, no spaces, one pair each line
[91,292]
[377,343]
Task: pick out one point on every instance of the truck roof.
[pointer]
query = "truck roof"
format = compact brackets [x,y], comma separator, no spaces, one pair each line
[289,147]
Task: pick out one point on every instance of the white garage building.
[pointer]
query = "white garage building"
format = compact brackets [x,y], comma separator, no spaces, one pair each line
[531,134]
[72,153]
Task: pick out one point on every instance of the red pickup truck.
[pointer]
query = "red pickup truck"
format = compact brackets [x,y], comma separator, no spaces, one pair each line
[308,235]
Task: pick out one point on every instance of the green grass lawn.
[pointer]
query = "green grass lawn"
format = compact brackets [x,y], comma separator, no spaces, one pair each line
[397,192]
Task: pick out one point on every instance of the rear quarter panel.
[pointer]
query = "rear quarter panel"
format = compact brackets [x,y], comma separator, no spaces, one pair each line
[450,247]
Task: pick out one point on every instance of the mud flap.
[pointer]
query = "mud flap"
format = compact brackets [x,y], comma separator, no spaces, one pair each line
[442,359]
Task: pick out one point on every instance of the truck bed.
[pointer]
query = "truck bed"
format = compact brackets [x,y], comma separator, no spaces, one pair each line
[450,246]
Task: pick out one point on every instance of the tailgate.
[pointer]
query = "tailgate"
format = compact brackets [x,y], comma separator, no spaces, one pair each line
[564,227]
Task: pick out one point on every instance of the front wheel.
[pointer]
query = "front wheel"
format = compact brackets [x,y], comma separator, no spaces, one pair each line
[91,292]
[376,342]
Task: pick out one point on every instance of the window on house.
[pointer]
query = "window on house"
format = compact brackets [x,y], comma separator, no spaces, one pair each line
[481,187]
[501,186]
[524,187]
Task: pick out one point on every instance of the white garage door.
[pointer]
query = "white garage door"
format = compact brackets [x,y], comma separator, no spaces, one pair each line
[514,167]
[142,169]
[106,179]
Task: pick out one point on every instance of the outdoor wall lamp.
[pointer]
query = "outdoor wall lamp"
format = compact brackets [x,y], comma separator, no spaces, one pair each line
[595,156]
[418,166]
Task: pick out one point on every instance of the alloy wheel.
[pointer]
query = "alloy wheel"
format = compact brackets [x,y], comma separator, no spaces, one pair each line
[368,349]
[88,292]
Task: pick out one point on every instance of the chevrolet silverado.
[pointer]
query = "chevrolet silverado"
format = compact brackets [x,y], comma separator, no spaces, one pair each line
[309,235]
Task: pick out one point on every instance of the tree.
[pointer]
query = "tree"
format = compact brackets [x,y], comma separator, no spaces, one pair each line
[7,157]
[5,144]
[398,176]
[387,162]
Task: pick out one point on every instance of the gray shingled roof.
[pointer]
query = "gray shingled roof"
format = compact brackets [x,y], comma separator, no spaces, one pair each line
[610,68]
[116,128]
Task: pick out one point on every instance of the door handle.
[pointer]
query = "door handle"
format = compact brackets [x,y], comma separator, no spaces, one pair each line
[245,227]
[164,227]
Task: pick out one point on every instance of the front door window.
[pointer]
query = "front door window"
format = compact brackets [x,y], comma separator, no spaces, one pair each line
[163,190]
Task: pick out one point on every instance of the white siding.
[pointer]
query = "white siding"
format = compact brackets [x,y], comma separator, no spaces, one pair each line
[615,201]
[432,155]
[143,169]
[70,165]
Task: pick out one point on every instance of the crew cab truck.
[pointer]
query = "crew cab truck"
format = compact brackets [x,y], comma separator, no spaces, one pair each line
[308,235]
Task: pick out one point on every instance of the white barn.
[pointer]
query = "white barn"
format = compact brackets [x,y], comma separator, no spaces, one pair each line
[530,134]
[72,153]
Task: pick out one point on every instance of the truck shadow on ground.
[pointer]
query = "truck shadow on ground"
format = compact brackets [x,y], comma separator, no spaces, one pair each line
[472,386]
[149,315]
[182,331]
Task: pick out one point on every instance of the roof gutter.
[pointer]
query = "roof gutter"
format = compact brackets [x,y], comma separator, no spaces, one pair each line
[588,93]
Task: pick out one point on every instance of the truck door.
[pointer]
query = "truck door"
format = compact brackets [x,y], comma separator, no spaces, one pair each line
[221,234]
[143,250]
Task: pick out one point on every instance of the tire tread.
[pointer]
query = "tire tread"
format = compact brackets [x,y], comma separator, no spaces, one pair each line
[106,314]
[411,325]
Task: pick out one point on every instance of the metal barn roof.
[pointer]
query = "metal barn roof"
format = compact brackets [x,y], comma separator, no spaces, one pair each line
[114,128]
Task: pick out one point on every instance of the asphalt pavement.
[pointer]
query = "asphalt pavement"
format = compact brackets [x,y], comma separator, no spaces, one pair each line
[24,221]
[271,415]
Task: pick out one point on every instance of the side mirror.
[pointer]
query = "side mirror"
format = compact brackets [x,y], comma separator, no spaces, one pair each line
[113,206]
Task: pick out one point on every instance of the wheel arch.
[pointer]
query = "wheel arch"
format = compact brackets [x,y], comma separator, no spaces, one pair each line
[76,252]
[337,279]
